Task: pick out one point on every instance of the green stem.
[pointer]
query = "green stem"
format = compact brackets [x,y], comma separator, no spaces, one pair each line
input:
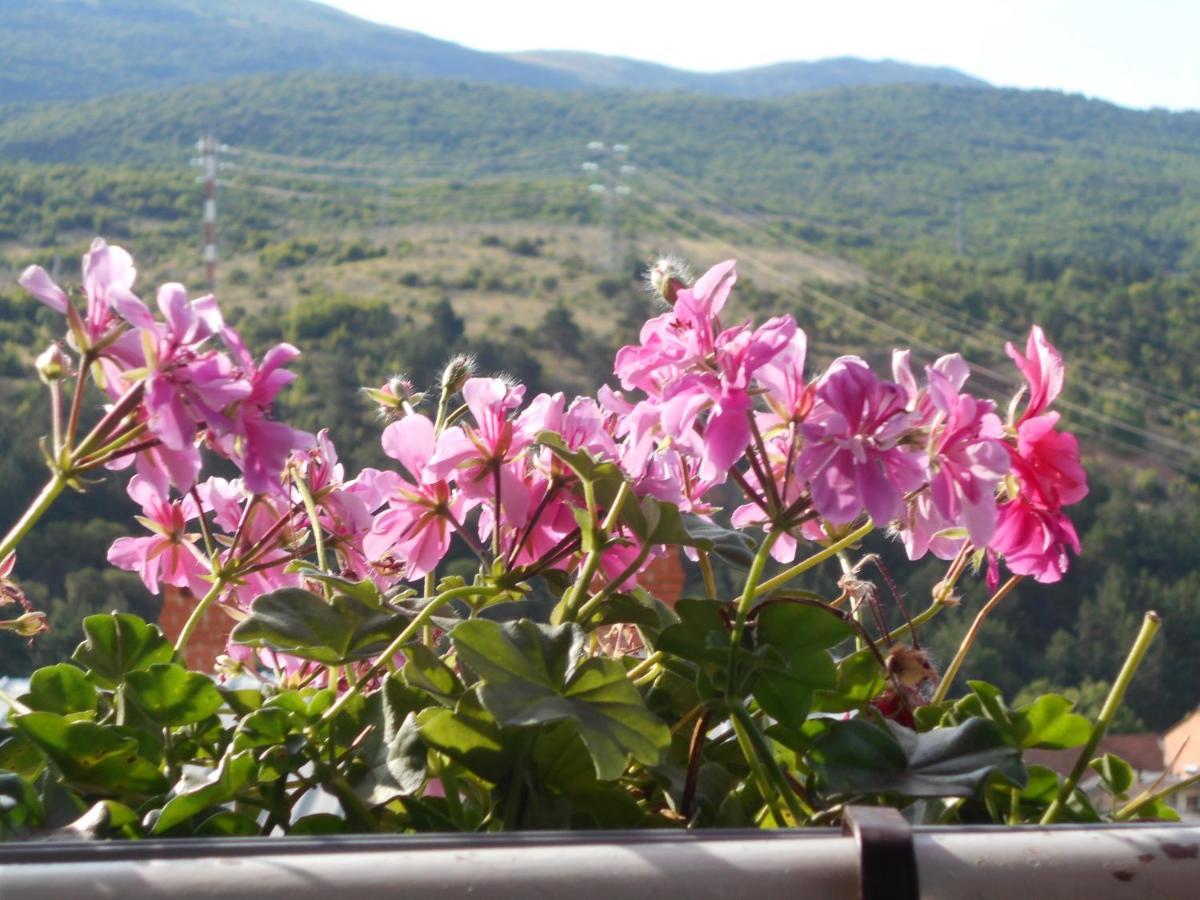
[706,569]
[414,627]
[815,560]
[310,507]
[746,601]
[194,619]
[31,516]
[592,561]
[591,606]
[1150,626]
[646,665]
[1130,809]
[758,755]
[969,639]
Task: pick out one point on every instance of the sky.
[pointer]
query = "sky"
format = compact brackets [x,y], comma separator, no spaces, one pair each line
[1137,53]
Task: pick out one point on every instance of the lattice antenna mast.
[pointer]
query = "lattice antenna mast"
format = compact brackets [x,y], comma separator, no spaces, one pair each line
[209,165]
[611,170]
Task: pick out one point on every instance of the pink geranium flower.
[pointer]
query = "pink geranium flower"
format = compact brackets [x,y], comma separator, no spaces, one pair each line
[414,533]
[167,556]
[853,458]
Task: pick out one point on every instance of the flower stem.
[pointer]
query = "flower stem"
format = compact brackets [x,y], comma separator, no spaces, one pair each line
[1150,626]
[706,570]
[31,516]
[969,639]
[310,507]
[815,560]
[194,619]
[759,756]
[592,561]
[414,627]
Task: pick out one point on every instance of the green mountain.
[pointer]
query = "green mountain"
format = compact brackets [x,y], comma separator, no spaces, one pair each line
[60,49]
[69,49]
[887,166]
[761,81]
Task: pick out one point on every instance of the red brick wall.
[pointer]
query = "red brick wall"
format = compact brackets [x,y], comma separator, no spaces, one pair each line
[664,577]
[207,641]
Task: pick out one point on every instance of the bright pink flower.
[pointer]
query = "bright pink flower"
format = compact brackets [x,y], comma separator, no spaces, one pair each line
[167,556]
[257,443]
[966,458]
[680,339]
[853,458]
[414,533]
[1049,461]
[1034,539]
[482,456]
[1042,366]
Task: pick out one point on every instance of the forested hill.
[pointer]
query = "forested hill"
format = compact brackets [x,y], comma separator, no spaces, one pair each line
[60,49]
[883,166]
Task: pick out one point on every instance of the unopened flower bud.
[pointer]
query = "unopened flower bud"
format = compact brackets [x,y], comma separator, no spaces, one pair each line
[53,364]
[27,624]
[395,398]
[456,373]
[667,277]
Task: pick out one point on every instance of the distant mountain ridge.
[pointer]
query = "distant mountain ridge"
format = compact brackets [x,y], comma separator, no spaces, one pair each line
[761,81]
[75,49]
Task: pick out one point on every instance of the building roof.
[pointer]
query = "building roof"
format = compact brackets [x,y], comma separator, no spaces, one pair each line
[1142,751]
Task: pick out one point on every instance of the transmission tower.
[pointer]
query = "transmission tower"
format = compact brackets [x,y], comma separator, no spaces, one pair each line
[608,164]
[209,165]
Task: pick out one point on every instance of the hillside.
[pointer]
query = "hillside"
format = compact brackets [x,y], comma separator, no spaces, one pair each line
[60,49]
[71,49]
[758,82]
[868,167]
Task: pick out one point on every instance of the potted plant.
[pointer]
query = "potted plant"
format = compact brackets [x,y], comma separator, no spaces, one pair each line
[541,687]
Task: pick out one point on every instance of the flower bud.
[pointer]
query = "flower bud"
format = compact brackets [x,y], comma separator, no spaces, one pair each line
[27,624]
[53,364]
[456,373]
[395,398]
[667,277]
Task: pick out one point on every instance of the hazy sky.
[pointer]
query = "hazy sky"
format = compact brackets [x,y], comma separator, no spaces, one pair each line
[1139,53]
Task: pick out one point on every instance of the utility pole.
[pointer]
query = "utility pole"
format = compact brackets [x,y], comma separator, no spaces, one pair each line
[207,161]
[611,169]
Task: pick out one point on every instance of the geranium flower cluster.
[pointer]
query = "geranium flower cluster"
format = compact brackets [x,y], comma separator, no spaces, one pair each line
[701,404]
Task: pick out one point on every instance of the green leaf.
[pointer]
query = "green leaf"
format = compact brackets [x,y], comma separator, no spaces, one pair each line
[858,757]
[299,622]
[365,591]
[470,736]
[92,757]
[394,754]
[194,795]
[227,823]
[702,634]
[117,644]
[792,659]
[267,727]
[1116,774]
[530,677]
[62,689]
[19,754]
[20,805]
[1049,724]
[859,678]
[171,695]
[425,671]
[734,547]
[317,824]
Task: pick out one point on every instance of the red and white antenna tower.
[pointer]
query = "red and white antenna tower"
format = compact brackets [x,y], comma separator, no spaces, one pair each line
[207,161]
